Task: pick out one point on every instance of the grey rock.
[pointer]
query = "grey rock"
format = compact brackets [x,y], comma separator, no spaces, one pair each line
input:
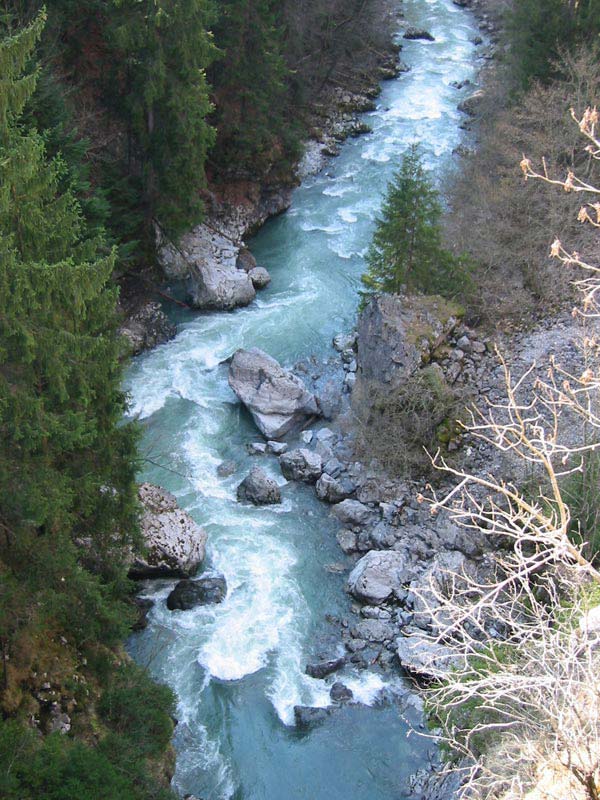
[330,399]
[226,468]
[277,448]
[147,327]
[301,465]
[214,287]
[175,544]
[277,400]
[209,588]
[333,467]
[332,490]
[322,669]
[418,33]
[472,104]
[260,277]
[256,448]
[59,722]
[374,630]
[423,657]
[397,334]
[377,575]
[347,541]
[257,488]
[344,341]
[340,693]
[245,260]
[306,716]
[354,513]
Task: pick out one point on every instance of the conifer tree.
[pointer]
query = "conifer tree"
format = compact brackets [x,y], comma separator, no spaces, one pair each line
[407,253]
[157,82]
[66,463]
[255,129]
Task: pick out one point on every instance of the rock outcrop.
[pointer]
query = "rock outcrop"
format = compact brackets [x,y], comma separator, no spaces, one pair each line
[257,488]
[175,544]
[397,334]
[277,400]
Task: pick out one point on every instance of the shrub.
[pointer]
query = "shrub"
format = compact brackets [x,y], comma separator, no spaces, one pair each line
[404,424]
[139,710]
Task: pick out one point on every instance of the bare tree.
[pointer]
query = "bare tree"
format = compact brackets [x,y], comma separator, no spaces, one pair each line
[520,707]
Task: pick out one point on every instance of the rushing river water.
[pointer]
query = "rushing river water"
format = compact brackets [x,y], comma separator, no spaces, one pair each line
[238,668]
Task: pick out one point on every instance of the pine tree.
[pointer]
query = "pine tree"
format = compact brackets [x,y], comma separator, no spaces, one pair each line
[66,463]
[407,253]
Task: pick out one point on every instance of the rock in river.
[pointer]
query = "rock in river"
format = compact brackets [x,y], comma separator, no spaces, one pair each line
[321,669]
[301,465]
[305,716]
[215,287]
[257,488]
[259,277]
[340,693]
[419,33]
[377,575]
[175,543]
[207,589]
[277,400]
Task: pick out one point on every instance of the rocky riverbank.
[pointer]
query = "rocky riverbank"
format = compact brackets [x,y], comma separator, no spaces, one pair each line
[212,260]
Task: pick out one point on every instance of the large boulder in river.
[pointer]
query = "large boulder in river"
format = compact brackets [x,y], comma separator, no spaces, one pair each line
[208,589]
[277,400]
[175,544]
[398,333]
[301,465]
[216,287]
[378,575]
[257,488]
[418,33]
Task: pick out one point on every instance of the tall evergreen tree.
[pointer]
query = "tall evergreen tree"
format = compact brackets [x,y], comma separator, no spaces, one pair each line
[407,253]
[160,51]
[255,128]
[66,463]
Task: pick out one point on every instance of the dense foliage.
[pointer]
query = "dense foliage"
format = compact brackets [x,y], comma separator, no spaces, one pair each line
[407,252]
[67,491]
[540,31]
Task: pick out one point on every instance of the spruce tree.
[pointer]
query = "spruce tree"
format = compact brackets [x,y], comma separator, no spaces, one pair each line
[253,116]
[407,253]
[66,463]
[156,81]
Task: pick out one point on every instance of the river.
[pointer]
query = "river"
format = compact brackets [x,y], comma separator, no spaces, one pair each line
[238,668]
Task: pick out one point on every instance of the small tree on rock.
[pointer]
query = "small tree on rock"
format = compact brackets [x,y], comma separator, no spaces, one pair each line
[407,253]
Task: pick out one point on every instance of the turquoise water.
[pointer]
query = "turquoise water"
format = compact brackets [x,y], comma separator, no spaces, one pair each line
[238,668]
